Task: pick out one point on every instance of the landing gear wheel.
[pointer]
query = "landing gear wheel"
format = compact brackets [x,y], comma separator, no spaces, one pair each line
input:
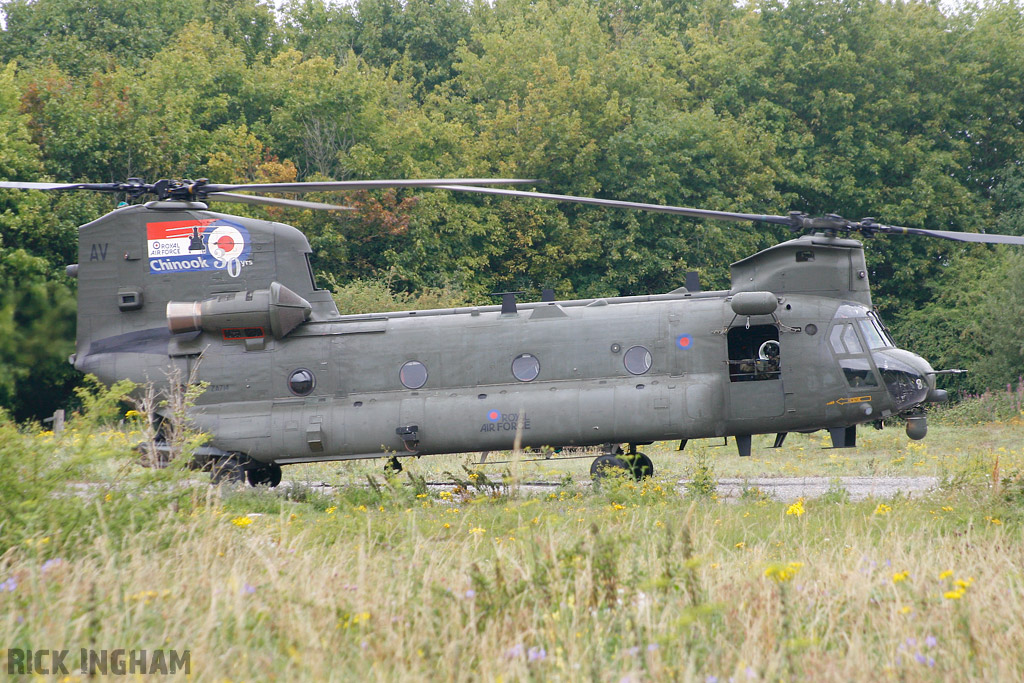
[609,465]
[268,475]
[229,469]
[392,466]
[640,466]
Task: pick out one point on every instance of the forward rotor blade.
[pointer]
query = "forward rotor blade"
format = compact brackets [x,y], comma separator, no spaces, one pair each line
[340,185]
[275,201]
[658,208]
[953,235]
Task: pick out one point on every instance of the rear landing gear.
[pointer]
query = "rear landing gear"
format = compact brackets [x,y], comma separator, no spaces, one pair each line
[229,469]
[634,464]
[268,475]
[236,468]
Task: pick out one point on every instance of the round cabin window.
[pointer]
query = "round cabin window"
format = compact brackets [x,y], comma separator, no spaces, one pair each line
[413,375]
[525,367]
[301,382]
[637,360]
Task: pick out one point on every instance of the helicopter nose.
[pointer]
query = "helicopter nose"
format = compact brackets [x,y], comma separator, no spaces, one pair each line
[909,378]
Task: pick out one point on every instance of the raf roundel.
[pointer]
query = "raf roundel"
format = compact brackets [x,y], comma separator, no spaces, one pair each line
[493,415]
[225,243]
[684,341]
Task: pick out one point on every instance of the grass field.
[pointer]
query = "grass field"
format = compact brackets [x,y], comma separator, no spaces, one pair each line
[651,581]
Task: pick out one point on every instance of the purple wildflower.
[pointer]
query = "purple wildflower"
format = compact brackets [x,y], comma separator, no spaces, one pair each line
[50,564]
[536,654]
[652,647]
[515,652]
[931,641]
[921,659]
[8,586]
[634,651]
[248,589]
[470,594]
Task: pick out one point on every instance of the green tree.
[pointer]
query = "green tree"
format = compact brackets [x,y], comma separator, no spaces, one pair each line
[37,310]
[82,39]
[414,41]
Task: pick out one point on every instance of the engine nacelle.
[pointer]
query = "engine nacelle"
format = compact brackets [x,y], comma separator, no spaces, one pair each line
[278,309]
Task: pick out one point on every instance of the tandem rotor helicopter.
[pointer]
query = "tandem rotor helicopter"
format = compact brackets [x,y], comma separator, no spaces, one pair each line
[793,345]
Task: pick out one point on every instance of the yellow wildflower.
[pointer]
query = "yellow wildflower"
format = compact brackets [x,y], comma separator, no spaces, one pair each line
[946,574]
[796,508]
[781,573]
[900,576]
[242,521]
[331,510]
[882,509]
[477,530]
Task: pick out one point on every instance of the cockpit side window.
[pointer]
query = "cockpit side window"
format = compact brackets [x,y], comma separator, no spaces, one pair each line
[849,347]
[858,372]
[835,337]
[851,340]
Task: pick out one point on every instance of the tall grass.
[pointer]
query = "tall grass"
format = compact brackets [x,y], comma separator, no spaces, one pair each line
[989,406]
[388,582]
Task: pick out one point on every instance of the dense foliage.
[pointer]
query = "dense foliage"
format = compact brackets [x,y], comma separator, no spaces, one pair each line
[904,111]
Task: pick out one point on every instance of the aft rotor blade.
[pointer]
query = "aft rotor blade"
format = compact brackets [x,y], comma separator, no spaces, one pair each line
[659,208]
[97,187]
[275,201]
[952,235]
[341,185]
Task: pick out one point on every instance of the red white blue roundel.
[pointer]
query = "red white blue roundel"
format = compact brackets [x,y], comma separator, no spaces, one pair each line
[494,416]
[225,242]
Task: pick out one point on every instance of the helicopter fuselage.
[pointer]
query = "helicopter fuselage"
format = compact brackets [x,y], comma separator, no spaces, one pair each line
[793,346]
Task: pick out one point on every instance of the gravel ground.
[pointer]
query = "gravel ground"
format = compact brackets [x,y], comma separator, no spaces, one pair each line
[784,489]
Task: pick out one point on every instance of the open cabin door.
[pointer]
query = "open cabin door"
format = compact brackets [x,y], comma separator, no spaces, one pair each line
[755,372]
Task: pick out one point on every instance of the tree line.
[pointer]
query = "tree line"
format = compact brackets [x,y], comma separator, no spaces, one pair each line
[904,111]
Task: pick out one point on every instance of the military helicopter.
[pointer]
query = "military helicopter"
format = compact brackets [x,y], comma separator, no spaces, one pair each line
[793,345]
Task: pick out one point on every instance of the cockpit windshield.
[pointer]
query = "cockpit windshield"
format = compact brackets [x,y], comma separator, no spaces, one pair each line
[882,329]
[874,332]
